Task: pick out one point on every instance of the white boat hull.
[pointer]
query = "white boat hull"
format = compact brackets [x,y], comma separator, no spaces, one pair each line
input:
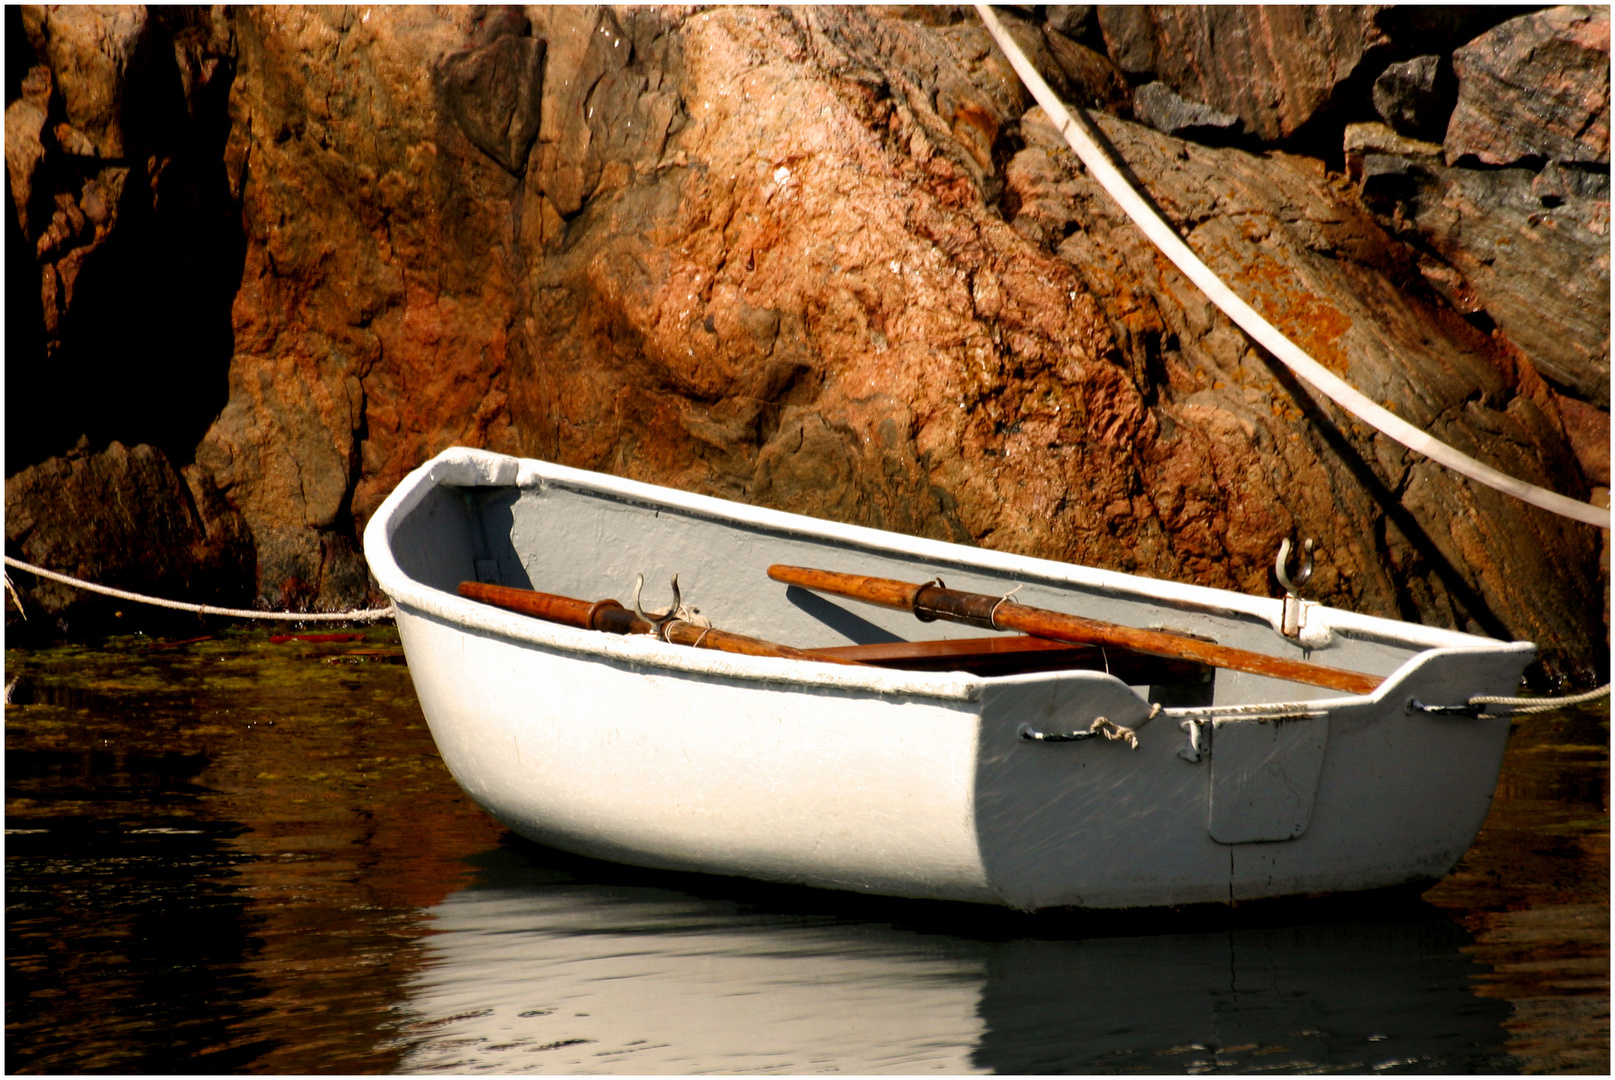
[901,783]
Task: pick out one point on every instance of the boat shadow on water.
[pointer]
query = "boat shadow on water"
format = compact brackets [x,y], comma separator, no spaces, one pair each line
[556,963]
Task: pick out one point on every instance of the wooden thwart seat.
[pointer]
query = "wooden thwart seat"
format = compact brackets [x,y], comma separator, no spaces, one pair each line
[1018,654]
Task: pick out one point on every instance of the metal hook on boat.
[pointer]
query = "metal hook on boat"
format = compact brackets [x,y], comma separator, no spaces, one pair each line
[1199,732]
[1291,620]
[1100,726]
[1280,567]
[1471,709]
[658,621]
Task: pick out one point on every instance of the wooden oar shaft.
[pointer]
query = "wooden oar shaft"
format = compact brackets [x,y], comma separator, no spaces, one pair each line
[991,612]
[611,617]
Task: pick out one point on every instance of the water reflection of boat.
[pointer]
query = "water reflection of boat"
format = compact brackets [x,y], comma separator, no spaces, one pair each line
[938,784]
[551,964]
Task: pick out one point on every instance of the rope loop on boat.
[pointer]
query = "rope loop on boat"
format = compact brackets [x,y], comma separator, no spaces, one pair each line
[1517,706]
[356,615]
[1100,726]
[1082,142]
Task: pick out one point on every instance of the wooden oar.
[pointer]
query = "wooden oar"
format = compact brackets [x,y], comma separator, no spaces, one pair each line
[929,602]
[612,618]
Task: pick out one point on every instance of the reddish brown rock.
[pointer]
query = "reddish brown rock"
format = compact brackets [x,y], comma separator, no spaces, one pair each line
[1275,67]
[1587,428]
[1535,87]
[91,51]
[822,259]
[25,134]
[1288,71]
[123,518]
[1090,78]
[1374,152]
[1323,272]
[760,253]
[87,54]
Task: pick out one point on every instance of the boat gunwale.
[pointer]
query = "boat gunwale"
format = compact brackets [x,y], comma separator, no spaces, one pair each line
[535,473]
[463,467]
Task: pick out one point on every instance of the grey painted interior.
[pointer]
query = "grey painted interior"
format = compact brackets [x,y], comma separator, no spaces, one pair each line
[589,545]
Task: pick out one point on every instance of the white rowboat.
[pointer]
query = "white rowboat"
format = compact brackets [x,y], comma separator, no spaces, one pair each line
[929,784]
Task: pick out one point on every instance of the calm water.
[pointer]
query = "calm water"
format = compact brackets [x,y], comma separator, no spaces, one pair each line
[237,855]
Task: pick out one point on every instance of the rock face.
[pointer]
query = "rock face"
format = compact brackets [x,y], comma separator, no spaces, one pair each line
[1416,97]
[1533,95]
[1275,67]
[1331,282]
[1156,105]
[1285,70]
[1535,87]
[826,260]
[1492,236]
[124,518]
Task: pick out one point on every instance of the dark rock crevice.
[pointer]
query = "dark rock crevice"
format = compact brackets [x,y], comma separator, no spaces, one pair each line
[133,228]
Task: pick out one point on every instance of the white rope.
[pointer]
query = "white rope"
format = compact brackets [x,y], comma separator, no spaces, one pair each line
[1292,356]
[365,615]
[1524,706]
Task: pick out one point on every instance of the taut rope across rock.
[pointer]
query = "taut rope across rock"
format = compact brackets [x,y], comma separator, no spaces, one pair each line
[1081,141]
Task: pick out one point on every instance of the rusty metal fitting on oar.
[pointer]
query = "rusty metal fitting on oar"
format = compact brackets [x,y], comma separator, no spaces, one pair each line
[922,610]
[611,617]
[934,600]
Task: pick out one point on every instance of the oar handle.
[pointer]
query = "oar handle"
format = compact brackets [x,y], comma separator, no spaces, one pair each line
[928,601]
[611,617]
[605,615]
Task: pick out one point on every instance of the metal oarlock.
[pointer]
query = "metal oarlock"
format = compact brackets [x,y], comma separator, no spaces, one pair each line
[658,621]
[1292,618]
[676,614]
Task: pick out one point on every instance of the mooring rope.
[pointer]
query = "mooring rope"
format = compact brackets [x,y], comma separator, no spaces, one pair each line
[1523,706]
[1086,147]
[358,615]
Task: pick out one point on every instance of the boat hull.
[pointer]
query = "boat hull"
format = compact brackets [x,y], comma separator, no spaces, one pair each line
[923,786]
